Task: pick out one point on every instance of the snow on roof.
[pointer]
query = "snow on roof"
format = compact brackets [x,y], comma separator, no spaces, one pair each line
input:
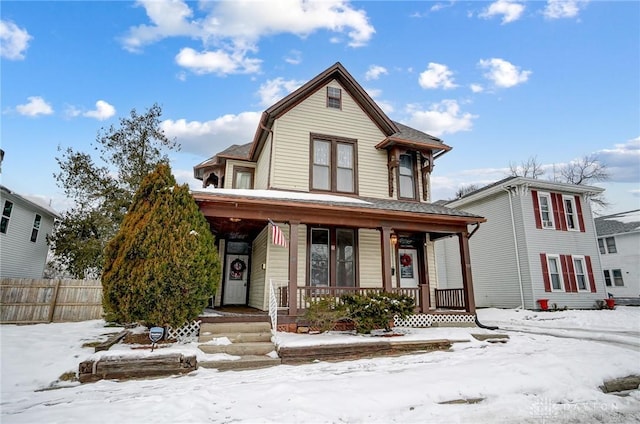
[625,217]
[618,223]
[278,194]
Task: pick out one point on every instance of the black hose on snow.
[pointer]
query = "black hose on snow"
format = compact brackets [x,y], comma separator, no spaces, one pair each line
[486,327]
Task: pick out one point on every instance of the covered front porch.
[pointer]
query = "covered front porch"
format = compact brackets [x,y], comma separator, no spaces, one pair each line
[388,248]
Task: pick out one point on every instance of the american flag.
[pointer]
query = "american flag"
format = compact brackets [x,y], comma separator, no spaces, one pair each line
[277,236]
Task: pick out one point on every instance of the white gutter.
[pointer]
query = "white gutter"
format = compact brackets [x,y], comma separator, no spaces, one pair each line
[515,244]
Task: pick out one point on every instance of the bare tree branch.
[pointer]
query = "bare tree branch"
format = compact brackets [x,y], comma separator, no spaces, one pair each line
[530,168]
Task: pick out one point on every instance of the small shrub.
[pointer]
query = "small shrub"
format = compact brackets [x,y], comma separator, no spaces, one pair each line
[324,313]
[376,310]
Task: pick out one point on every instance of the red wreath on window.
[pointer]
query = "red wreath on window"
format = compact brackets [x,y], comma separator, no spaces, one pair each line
[405,260]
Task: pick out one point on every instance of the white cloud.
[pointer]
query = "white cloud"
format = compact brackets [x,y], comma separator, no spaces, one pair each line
[102,111]
[502,73]
[273,90]
[235,27]
[436,76]
[375,94]
[441,118]
[294,57]
[375,71]
[510,10]
[36,106]
[557,9]
[13,40]
[476,88]
[622,161]
[217,62]
[210,137]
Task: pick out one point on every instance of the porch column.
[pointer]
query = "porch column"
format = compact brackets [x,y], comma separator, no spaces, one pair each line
[425,301]
[293,267]
[385,239]
[465,266]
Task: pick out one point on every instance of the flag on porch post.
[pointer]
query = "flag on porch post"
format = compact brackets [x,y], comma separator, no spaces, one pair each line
[277,236]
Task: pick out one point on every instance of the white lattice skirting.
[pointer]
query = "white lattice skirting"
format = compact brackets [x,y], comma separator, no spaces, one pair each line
[428,320]
[187,333]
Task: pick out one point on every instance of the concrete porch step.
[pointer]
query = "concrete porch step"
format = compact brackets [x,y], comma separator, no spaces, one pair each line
[234,327]
[237,337]
[240,349]
[244,363]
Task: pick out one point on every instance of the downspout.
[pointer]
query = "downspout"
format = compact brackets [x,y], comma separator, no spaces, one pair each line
[270,131]
[475,317]
[515,244]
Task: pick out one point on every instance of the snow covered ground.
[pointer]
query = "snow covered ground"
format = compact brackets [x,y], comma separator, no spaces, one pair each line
[548,372]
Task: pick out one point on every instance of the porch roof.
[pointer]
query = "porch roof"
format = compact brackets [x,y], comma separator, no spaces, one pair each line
[329,209]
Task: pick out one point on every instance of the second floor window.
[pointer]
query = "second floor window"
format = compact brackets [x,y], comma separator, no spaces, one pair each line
[333,165]
[406,177]
[545,210]
[6,214]
[570,213]
[36,228]
[243,178]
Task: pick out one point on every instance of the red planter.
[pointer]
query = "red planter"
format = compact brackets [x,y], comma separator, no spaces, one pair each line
[544,304]
[611,303]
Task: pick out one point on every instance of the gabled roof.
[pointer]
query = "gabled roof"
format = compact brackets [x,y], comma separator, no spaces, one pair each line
[339,73]
[508,182]
[618,223]
[35,205]
[235,151]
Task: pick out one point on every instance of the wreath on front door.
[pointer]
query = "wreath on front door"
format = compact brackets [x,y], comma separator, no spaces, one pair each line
[405,260]
[238,265]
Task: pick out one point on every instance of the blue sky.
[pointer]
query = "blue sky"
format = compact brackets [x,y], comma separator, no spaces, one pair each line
[498,81]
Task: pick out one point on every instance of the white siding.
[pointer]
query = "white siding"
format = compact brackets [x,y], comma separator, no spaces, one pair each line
[292,142]
[19,256]
[627,259]
[261,178]
[369,258]
[257,285]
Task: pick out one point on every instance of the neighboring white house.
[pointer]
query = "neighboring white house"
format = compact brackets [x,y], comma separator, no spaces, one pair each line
[23,235]
[619,244]
[539,242]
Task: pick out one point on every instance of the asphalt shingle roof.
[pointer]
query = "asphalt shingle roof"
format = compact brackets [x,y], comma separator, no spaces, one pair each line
[411,134]
[618,223]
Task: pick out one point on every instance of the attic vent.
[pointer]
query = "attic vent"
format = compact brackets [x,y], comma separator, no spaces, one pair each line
[334,98]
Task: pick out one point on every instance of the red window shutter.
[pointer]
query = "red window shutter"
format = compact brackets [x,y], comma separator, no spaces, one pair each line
[565,273]
[579,212]
[592,281]
[572,274]
[556,210]
[562,213]
[536,209]
[545,271]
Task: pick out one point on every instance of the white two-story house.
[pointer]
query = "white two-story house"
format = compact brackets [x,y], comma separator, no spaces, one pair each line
[331,196]
[539,243]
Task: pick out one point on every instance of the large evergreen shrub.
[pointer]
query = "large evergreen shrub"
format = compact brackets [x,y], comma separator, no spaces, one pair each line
[162,266]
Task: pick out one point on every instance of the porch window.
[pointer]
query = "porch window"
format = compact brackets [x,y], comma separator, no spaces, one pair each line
[333,164]
[36,228]
[554,273]
[581,278]
[6,214]
[570,213]
[545,210]
[407,177]
[332,257]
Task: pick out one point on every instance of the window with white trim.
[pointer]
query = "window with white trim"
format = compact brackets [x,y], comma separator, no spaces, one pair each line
[601,246]
[6,214]
[546,212]
[555,275]
[36,228]
[611,245]
[570,213]
[617,278]
[580,273]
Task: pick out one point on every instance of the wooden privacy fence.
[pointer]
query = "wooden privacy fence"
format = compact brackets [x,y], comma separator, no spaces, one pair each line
[28,301]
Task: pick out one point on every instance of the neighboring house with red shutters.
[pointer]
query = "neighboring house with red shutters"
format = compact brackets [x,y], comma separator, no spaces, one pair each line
[539,242]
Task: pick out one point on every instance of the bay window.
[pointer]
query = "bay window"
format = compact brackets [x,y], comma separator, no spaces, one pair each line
[407,177]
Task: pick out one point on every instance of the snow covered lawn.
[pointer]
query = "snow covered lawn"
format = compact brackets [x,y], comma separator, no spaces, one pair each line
[549,371]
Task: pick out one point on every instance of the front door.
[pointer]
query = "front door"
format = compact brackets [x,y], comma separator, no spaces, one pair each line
[408,266]
[236,274]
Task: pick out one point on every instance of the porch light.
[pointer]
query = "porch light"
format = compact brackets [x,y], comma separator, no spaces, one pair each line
[235,219]
[394,239]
